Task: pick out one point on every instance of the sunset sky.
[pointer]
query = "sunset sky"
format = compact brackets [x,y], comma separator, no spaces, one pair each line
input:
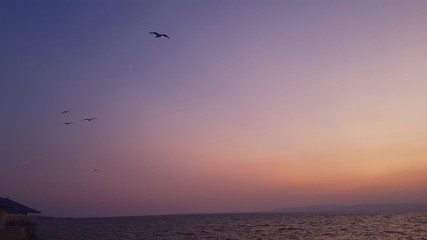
[249,106]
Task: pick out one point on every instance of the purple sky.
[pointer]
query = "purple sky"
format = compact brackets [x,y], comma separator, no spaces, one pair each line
[249,106]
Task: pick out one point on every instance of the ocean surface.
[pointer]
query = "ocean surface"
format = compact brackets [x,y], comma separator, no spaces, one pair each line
[240,226]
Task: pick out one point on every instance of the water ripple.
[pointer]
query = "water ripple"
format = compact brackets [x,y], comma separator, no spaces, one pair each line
[240,227]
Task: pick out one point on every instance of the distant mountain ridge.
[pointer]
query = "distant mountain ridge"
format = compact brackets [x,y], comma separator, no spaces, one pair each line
[397,207]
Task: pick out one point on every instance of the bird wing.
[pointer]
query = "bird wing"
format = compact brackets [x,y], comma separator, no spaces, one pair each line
[155,33]
[166,36]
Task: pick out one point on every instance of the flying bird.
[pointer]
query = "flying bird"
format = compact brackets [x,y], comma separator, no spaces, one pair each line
[67,123]
[159,35]
[95,170]
[88,119]
[65,111]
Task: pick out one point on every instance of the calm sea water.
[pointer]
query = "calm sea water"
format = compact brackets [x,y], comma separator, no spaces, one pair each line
[240,226]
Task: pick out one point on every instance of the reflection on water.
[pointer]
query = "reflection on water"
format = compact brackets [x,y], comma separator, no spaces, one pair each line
[240,226]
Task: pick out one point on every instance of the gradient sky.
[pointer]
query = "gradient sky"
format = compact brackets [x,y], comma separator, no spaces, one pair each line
[249,106]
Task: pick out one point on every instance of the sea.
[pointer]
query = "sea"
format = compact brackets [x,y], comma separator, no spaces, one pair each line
[409,225]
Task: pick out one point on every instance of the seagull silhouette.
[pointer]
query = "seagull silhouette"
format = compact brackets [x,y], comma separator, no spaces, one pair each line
[66,111]
[67,123]
[88,119]
[159,35]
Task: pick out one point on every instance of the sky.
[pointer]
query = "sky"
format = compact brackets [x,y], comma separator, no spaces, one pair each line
[249,106]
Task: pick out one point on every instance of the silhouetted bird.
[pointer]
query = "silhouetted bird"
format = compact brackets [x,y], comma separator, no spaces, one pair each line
[95,170]
[160,35]
[67,123]
[88,119]
[65,111]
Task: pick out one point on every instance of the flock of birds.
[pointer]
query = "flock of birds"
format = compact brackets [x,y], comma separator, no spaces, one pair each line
[85,119]
[157,35]
[69,123]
